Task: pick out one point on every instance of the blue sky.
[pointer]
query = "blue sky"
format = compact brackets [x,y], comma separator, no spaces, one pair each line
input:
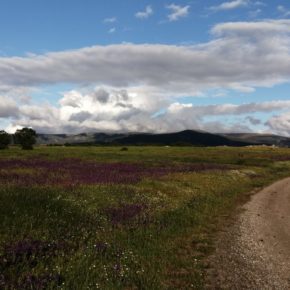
[40,26]
[75,66]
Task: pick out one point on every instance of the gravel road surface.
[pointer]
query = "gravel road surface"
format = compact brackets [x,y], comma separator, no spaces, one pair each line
[254,252]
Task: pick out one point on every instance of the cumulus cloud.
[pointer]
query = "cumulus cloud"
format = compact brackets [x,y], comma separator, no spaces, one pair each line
[101,95]
[80,117]
[39,112]
[106,108]
[145,14]
[136,109]
[280,124]
[97,110]
[8,107]
[177,11]
[230,5]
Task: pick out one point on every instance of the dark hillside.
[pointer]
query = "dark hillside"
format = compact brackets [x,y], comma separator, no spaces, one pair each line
[186,137]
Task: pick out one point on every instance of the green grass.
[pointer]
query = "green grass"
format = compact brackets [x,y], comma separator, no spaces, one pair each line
[66,237]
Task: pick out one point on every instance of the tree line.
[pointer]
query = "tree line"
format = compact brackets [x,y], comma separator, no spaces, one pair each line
[25,137]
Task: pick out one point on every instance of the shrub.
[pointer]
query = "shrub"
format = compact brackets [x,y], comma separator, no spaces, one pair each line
[124,149]
[4,140]
[26,137]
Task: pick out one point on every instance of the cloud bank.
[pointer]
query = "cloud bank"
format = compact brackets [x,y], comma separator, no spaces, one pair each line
[123,110]
[135,87]
[240,55]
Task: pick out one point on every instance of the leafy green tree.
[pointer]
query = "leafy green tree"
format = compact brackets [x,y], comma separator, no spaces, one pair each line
[26,137]
[4,139]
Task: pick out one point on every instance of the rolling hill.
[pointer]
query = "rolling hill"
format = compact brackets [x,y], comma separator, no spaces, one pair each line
[187,137]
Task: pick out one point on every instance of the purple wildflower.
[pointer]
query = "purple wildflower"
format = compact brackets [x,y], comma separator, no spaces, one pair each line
[73,172]
[27,251]
[124,213]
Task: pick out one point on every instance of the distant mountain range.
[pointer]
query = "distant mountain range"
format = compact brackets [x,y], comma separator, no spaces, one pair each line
[187,137]
[260,139]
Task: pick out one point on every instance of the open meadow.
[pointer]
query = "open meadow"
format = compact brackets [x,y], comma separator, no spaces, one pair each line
[121,218]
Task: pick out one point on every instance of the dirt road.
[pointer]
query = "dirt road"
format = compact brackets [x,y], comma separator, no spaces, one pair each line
[254,252]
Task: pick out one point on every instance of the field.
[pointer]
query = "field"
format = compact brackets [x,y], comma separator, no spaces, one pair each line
[113,218]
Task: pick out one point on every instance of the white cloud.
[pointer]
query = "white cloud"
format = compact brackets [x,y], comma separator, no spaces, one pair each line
[268,28]
[8,107]
[242,56]
[136,109]
[183,116]
[135,83]
[37,112]
[280,124]
[112,30]
[177,11]
[227,109]
[230,5]
[145,14]
[284,11]
[110,20]
[18,91]
[93,110]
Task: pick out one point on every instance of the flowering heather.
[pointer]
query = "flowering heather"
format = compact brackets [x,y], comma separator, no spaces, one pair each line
[28,251]
[30,281]
[74,172]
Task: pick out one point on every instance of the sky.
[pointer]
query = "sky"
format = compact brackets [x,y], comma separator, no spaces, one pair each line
[74,66]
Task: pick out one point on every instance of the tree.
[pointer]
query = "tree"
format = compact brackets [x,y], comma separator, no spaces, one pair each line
[4,139]
[26,137]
